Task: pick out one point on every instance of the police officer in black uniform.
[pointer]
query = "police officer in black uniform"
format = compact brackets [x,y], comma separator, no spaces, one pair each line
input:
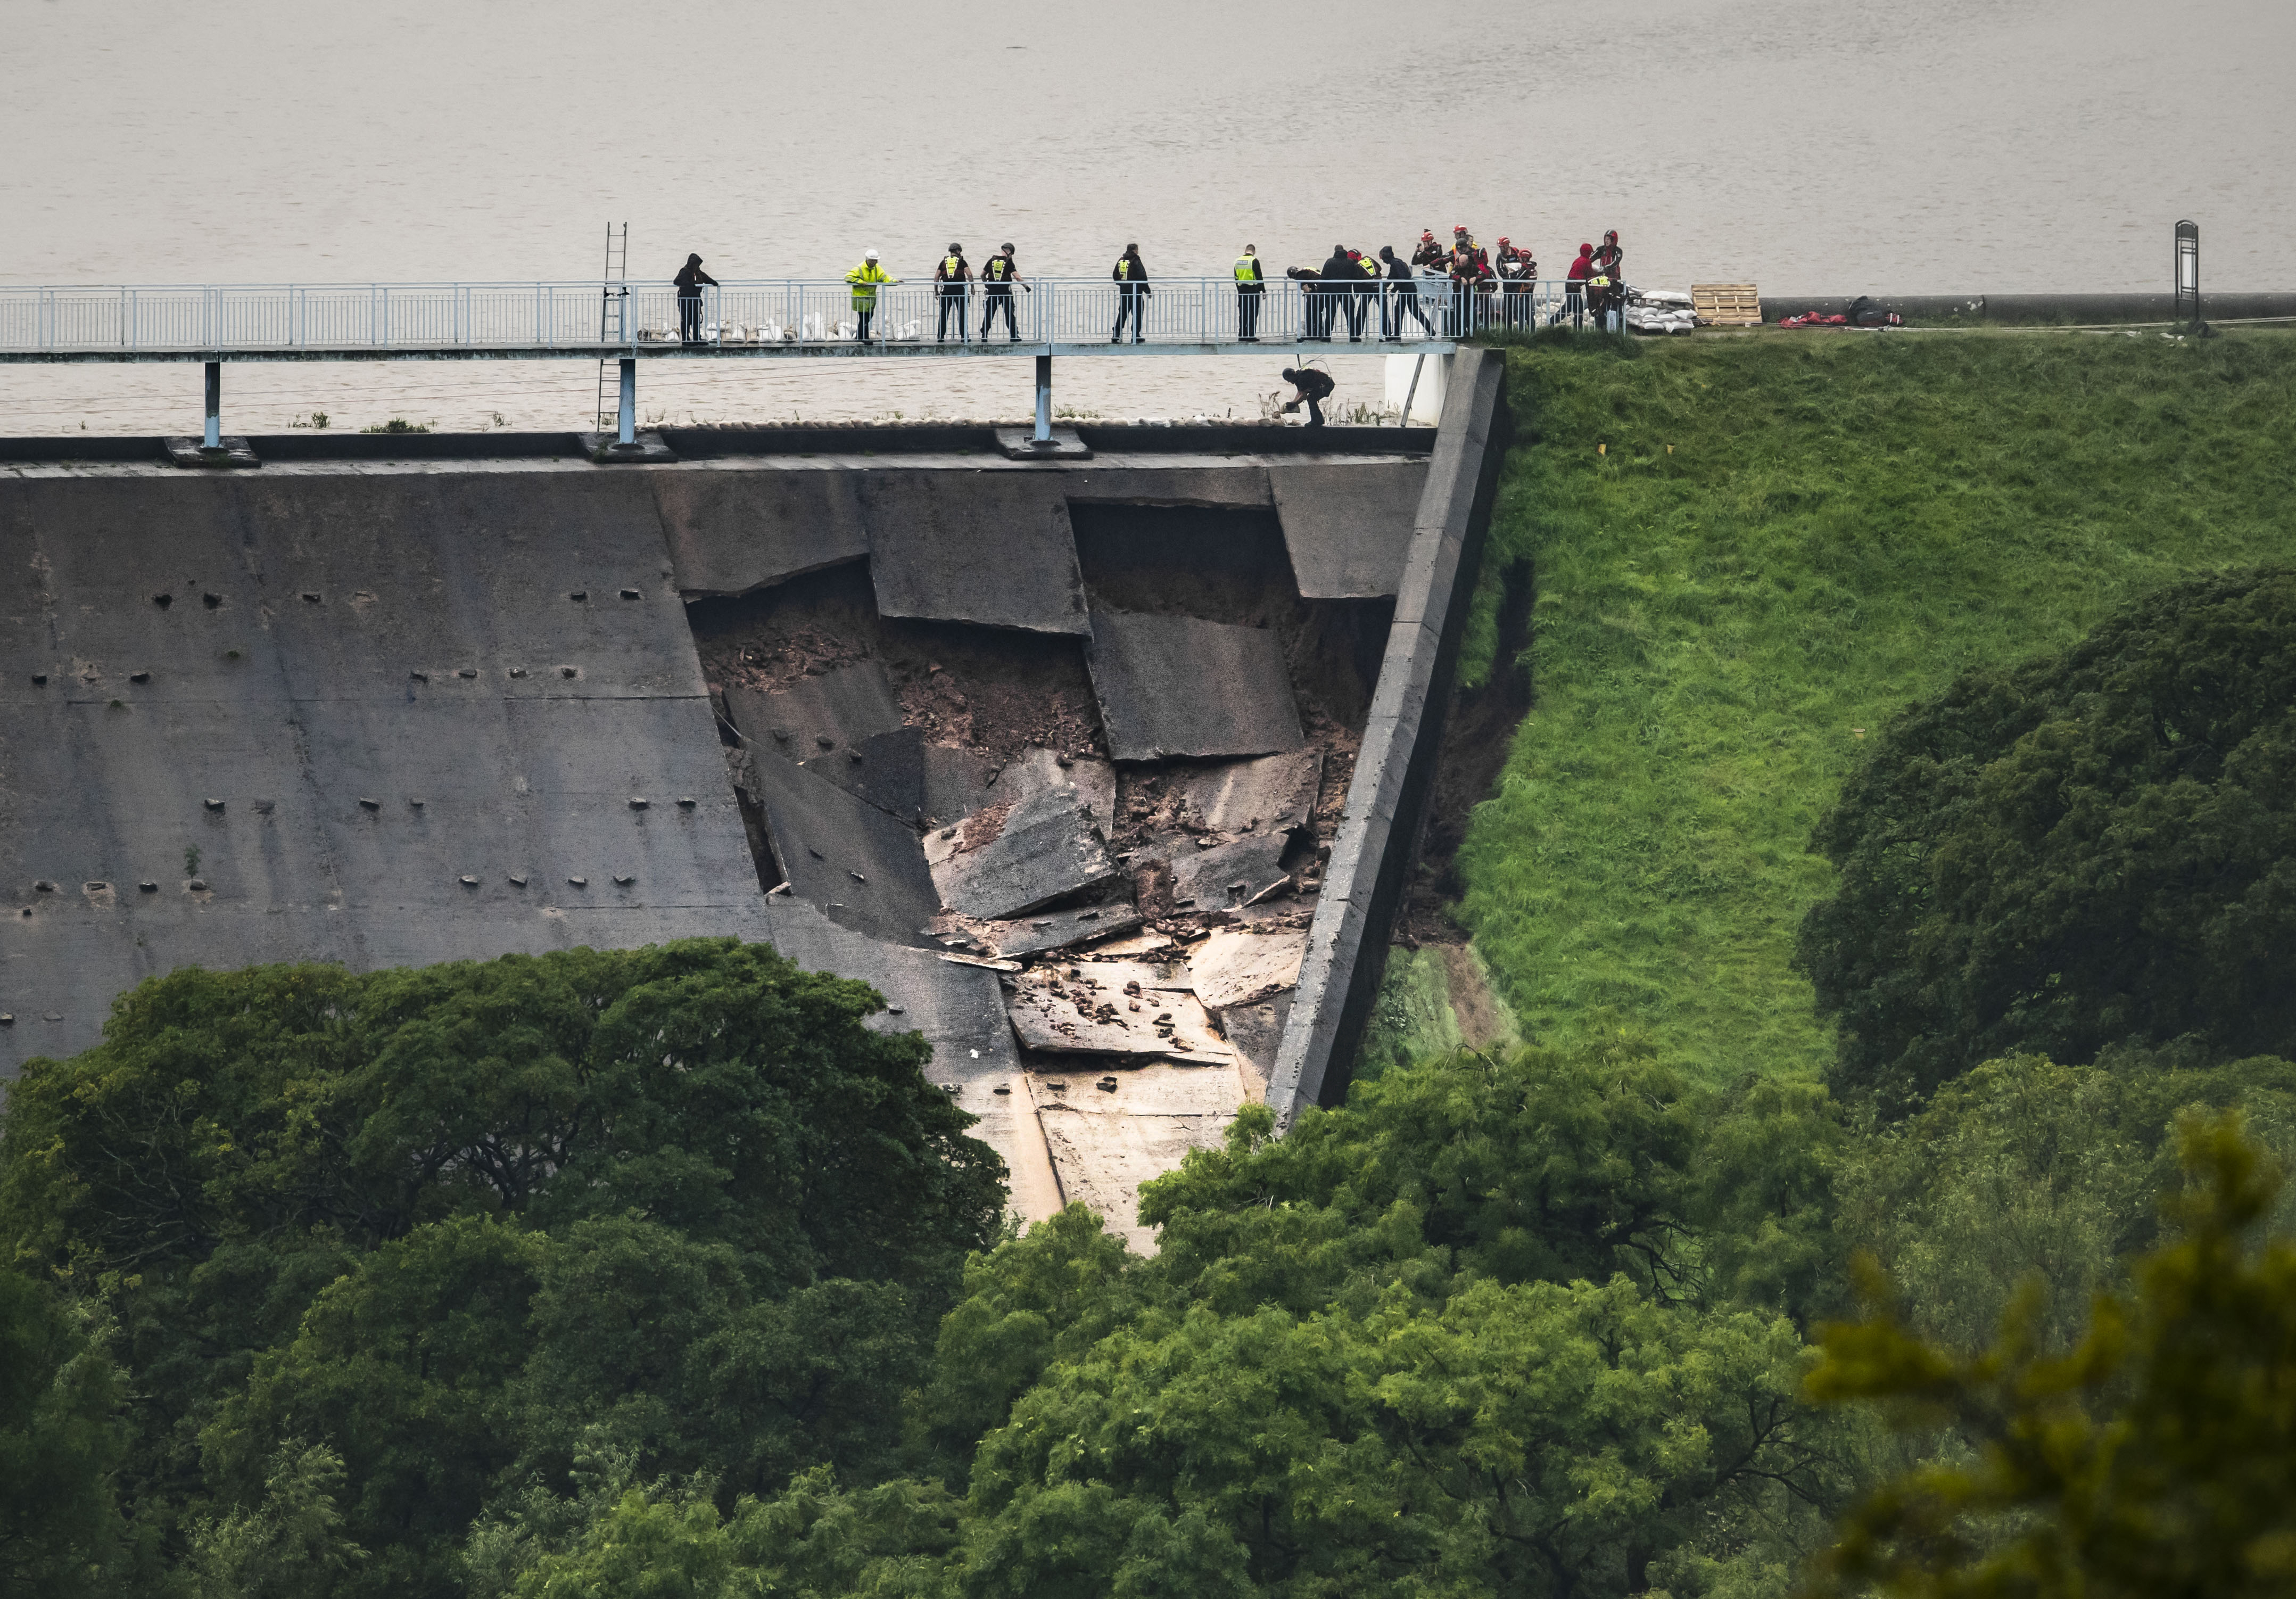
[997,277]
[953,278]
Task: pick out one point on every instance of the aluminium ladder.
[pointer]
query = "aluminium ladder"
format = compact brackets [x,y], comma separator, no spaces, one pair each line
[613,307]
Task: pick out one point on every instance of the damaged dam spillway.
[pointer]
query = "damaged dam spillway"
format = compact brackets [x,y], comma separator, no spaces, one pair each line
[1064,758]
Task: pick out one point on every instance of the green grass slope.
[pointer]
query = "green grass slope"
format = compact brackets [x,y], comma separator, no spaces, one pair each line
[1746,550]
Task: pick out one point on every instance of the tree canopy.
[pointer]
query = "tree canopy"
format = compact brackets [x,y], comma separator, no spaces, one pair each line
[457,1225]
[2096,848]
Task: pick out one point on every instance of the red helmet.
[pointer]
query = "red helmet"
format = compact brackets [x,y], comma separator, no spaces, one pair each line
[1586,250]
[1458,228]
[1502,241]
[1428,234]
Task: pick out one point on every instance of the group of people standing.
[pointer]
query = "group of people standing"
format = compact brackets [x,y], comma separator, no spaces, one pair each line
[1345,287]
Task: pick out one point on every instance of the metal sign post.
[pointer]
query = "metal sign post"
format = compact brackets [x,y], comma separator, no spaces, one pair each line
[2188,273]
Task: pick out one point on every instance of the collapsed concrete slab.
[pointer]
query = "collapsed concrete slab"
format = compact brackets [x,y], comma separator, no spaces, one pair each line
[1227,876]
[1012,861]
[1108,1136]
[816,714]
[1271,794]
[1037,935]
[1180,686]
[992,548]
[1239,968]
[1347,524]
[731,530]
[1256,1033]
[1111,1008]
[860,866]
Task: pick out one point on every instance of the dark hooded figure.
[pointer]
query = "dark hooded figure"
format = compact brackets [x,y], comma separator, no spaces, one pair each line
[1309,388]
[1341,274]
[688,281]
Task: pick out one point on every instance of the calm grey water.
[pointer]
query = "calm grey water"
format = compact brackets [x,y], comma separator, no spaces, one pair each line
[1811,146]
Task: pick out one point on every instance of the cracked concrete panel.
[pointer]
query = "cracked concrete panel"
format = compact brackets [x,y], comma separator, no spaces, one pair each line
[992,548]
[960,1010]
[731,530]
[1225,876]
[1106,1143]
[1006,862]
[1181,685]
[1347,524]
[1272,794]
[1256,1031]
[815,715]
[1038,935]
[1101,1011]
[862,867]
[1239,968]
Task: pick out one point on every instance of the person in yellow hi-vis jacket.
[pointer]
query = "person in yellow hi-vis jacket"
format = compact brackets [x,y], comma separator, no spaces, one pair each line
[866,279]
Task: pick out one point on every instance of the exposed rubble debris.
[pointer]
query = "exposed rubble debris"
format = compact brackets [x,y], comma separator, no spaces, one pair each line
[954,788]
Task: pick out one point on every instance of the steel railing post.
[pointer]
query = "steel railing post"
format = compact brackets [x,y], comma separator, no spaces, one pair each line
[1044,432]
[214,436]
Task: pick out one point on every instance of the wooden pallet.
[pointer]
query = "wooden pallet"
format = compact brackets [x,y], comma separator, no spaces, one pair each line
[1727,304]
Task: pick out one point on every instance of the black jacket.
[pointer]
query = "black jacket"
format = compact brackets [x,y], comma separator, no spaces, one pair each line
[1339,269]
[1137,274]
[1313,382]
[688,281]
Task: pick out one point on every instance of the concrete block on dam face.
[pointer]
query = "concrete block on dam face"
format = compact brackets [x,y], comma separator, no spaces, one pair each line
[843,705]
[734,530]
[1347,524]
[1046,848]
[991,547]
[860,866]
[1181,685]
[291,711]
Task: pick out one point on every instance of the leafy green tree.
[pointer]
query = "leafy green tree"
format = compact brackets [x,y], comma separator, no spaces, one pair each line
[2156,1458]
[424,1217]
[293,1546]
[2029,1177]
[61,1441]
[813,1540]
[1460,1336]
[2096,847]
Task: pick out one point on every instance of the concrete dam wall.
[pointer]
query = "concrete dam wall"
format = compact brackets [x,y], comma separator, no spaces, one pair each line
[969,730]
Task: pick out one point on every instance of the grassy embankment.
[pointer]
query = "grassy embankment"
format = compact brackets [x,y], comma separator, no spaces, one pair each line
[1746,551]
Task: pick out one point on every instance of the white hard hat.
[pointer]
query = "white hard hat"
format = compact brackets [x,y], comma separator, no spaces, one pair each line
[868,255]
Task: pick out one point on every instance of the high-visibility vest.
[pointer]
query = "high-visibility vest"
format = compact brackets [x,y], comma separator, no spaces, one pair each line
[864,279]
[1124,267]
[999,267]
[951,267]
[1247,269]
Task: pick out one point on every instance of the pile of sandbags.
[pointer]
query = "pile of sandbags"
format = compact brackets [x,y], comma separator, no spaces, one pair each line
[1659,311]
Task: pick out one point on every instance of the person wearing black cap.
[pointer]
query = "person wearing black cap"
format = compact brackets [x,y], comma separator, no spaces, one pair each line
[1132,292]
[997,277]
[1341,275]
[688,281]
[1402,297]
[952,281]
[1309,388]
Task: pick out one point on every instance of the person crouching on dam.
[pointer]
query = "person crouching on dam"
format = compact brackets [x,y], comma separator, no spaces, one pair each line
[1309,388]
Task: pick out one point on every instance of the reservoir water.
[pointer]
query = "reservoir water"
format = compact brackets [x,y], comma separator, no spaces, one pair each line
[1809,146]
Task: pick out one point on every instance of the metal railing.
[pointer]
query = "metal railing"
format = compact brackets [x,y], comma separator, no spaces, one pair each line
[792,314]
